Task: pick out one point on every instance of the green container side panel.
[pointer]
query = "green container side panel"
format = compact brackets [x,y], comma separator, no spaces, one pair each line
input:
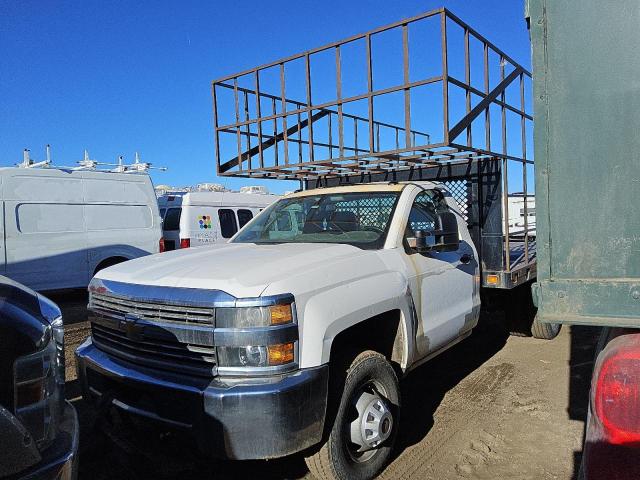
[586,75]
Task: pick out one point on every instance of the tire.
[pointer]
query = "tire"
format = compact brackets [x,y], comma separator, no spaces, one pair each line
[369,379]
[545,331]
[522,318]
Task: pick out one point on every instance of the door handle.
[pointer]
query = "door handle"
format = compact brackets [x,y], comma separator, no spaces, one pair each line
[466,258]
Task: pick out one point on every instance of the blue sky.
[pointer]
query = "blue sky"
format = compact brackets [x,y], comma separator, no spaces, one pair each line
[116,77]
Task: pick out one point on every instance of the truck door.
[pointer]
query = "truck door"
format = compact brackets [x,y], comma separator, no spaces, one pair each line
[444,284]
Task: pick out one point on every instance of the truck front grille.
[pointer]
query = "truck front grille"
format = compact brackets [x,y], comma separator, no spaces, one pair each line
[155,353]
[158,335]
[164,312]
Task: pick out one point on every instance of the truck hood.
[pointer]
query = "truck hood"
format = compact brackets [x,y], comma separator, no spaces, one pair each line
[240,269]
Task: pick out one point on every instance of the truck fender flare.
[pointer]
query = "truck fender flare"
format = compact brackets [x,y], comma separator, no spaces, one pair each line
[364,305]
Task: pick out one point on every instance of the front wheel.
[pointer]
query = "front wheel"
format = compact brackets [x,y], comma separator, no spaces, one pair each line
[362,437]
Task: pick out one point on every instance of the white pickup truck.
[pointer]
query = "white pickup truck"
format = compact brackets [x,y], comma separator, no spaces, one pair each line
[271,345]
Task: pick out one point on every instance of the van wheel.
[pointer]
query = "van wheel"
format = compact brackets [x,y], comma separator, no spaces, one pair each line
[108,263]
[366,423]
[545,331]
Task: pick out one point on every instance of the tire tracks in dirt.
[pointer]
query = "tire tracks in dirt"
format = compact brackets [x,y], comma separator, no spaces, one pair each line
[461,412]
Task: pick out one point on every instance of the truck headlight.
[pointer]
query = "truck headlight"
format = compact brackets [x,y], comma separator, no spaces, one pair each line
[256,340]
[256,356]
[38,392]
[38,379]
[51,312]
[249,317]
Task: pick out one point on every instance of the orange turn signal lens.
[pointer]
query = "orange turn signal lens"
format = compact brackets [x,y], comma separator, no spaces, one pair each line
[281,353]
[281,314]
[493,279]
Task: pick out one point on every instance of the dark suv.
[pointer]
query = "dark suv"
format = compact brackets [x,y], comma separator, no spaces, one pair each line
[39,429]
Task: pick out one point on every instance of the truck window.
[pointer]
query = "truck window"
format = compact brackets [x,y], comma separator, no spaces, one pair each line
[284,222]
[423,212]
[172,219]
[228,227]
[358,219]
[244,216]
[162,212]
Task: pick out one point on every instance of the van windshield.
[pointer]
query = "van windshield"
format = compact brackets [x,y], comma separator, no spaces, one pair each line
[359,219]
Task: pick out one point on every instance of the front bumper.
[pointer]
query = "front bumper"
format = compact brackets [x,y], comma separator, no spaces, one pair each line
[60,460]
[240,418]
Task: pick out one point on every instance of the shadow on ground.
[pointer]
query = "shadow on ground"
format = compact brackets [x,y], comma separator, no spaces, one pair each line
[424,388]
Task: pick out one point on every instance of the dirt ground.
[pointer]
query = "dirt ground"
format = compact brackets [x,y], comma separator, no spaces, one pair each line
[492,407]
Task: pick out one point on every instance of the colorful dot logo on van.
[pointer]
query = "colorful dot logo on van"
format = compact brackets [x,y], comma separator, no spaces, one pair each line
[204,221]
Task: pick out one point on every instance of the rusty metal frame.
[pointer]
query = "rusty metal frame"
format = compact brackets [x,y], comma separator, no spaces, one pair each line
[346,156]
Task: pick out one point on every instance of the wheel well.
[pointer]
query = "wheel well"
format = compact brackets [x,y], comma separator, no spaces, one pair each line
[382,333]
[108,262]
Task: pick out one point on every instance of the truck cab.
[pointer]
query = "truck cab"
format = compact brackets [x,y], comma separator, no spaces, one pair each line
[377,279]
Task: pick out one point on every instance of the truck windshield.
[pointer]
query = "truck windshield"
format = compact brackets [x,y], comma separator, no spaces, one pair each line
[358,219]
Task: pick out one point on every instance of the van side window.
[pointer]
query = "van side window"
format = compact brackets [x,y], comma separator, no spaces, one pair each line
[49,218]
[117,217]
[162,212]
[172,219]
[244,216]
[228,227]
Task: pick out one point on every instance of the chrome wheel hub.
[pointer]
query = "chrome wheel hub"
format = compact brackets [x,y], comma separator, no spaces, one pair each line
[374,423]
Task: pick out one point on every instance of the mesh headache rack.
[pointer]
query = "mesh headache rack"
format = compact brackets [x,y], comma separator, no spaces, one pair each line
[424,98]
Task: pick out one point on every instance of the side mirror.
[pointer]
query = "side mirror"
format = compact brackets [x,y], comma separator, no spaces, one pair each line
[422,241]
[445,237]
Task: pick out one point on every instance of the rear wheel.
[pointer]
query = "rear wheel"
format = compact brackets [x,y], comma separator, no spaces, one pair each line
[361,439]
[521,315]
[545,331]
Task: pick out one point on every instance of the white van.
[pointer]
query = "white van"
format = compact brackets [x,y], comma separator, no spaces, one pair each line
[200,218]
[60,227]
